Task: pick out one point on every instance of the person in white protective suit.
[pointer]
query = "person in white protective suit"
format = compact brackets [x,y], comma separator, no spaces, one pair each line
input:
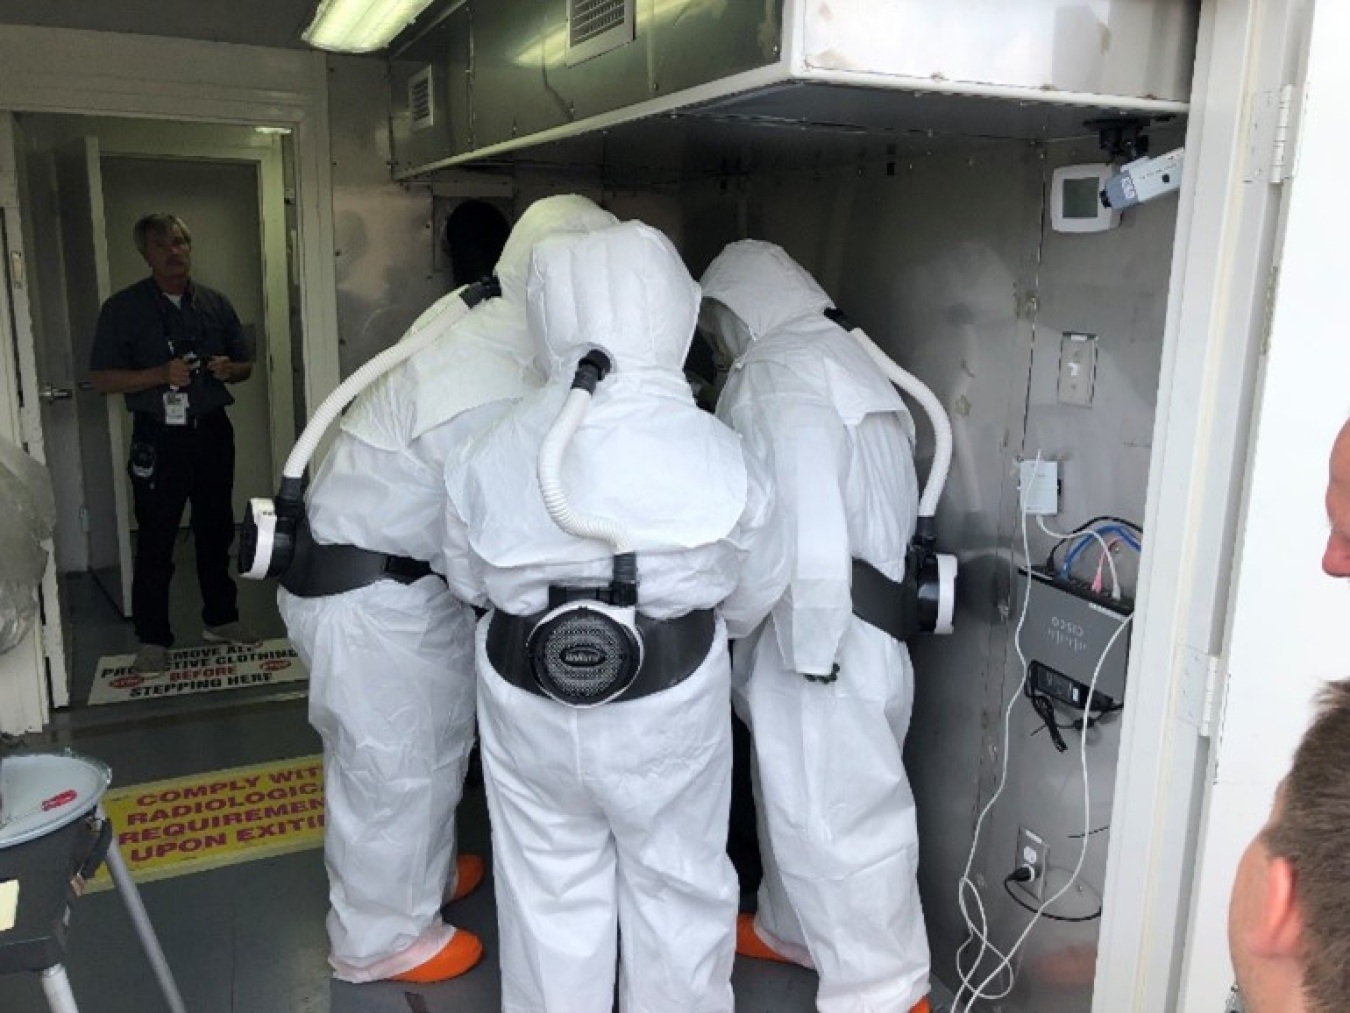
[391,663]
[826,694]
[609,821]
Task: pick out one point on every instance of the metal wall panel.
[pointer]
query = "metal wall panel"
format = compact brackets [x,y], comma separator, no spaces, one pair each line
[445,48]
[520,83]
[1135,48]
[1114,285]
[385,243]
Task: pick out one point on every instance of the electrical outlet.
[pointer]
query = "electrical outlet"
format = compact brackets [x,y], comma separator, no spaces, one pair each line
[1039,484]
[1033,853]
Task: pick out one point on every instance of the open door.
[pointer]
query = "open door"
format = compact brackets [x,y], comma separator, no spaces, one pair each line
[1289,626]
[85,253]
[39,400]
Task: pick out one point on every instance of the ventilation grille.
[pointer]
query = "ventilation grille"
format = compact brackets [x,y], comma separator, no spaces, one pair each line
[597,26]
[421,100]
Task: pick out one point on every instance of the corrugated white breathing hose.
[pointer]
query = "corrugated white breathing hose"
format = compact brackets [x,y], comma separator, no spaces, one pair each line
[426,332]
[937,417]
[549,472]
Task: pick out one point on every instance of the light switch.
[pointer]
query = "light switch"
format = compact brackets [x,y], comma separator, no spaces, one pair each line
[1077,368]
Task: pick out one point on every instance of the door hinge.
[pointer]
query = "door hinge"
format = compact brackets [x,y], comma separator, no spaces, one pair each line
[1274,120]
[1214,680]
[1288,118]
[18,277]
[1202,690]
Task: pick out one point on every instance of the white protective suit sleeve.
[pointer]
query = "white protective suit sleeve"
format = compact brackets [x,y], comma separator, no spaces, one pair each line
[810,457]
[763,540]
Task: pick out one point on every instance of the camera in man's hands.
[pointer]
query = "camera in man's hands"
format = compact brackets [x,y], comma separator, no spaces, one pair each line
[194,363]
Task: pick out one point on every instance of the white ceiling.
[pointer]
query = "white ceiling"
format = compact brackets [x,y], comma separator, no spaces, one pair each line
[253,22]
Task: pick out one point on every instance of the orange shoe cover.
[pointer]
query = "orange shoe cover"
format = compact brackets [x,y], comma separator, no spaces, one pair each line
[457,956]
[469,872]
[748,943]
[921,1006]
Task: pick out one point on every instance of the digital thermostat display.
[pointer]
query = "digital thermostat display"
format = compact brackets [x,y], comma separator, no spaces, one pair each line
[1075,199]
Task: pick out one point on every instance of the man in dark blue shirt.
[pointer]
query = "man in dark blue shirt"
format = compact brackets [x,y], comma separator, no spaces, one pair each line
[170,346]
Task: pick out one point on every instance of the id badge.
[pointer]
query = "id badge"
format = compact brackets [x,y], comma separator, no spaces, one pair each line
[175,408]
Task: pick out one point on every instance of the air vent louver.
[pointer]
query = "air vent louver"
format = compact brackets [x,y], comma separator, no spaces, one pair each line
[597,26]
[421,100]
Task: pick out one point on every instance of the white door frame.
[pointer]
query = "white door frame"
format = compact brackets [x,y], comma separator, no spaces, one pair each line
[1222,260]
[24,686]
[45,70]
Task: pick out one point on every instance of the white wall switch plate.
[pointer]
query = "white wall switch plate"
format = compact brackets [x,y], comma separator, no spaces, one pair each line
[1077,369]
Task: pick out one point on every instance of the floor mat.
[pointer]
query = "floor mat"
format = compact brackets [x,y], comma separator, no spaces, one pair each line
[221,817]
[205,668]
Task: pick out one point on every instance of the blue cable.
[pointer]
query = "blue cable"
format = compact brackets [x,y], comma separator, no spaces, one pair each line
[1085,539]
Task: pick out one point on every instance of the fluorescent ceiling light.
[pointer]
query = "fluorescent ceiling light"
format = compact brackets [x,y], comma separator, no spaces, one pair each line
[360,26]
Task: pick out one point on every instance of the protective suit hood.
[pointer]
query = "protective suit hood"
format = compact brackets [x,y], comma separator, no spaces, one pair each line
[564,213]
[777,311]
[643,444]
[487,356]
[584,292]
[764,287]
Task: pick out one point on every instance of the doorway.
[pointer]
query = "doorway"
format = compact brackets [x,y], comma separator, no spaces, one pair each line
[85,182]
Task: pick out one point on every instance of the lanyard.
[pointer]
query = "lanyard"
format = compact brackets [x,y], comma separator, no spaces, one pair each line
[166,325]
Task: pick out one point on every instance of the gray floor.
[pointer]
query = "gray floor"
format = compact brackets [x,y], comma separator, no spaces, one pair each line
[250,938]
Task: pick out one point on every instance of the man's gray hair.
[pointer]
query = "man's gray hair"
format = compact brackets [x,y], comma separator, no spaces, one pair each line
[161,223]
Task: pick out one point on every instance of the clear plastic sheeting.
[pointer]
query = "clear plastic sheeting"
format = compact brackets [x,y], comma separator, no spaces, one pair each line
[27,515]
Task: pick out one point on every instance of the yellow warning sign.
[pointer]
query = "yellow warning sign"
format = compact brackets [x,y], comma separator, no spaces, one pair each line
[188,824]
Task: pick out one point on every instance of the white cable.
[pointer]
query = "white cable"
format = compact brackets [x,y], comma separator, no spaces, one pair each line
[1004,964]
[982,933]
[1106,550]
[1087,823]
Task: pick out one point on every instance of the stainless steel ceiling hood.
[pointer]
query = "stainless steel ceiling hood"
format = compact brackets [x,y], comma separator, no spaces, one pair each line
[517,74]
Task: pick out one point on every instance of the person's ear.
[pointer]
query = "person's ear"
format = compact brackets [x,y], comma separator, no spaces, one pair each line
[1279,933]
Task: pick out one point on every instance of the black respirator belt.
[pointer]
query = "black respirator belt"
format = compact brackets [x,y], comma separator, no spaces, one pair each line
[320,570]
[673,649]
[891,606]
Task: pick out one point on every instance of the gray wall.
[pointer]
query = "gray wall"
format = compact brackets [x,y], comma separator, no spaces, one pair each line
[384,237]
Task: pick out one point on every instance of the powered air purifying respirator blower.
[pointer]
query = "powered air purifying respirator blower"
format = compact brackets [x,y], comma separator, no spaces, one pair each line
[930,574]
[586,649]
[267,540]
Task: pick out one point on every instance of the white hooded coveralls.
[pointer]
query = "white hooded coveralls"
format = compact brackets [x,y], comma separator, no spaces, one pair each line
[612,821]
[391,665]
[836,814]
